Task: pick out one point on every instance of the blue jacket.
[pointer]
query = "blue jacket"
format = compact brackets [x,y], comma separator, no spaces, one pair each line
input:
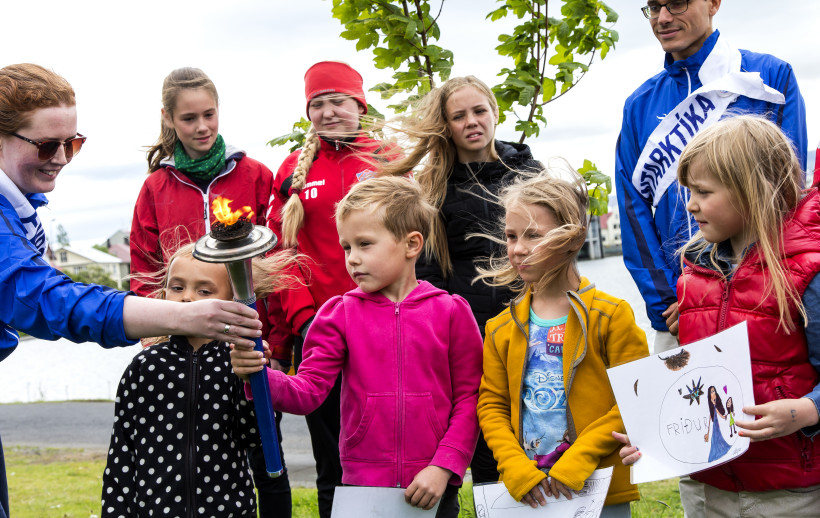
[37,299]
[651,240]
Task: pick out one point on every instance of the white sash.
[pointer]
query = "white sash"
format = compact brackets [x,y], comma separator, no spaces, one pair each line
[34,230]
[723,82]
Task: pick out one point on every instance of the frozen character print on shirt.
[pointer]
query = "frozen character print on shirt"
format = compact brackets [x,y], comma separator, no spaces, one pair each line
[543,397]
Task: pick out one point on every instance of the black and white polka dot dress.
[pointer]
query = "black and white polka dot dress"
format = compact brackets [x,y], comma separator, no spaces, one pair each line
[181,427]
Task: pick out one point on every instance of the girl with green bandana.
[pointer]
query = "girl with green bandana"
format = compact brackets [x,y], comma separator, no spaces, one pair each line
[189,166]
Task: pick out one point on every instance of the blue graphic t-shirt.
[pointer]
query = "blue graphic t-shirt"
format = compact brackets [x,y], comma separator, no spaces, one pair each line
[544,403]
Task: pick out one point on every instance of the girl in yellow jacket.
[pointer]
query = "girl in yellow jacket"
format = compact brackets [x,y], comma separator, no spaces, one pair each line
[545,404]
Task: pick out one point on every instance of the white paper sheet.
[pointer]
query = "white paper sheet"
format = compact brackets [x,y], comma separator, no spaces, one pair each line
[375,502]
[664,402]
[494,501]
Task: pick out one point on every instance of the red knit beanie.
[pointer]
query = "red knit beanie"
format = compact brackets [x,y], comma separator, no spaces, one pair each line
[333,77]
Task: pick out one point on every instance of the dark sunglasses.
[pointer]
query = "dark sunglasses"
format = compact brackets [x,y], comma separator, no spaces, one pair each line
[48,148]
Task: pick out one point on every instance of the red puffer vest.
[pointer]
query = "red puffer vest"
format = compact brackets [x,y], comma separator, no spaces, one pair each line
[780,365]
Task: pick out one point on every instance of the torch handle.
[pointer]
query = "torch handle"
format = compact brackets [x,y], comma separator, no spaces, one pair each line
[265,417]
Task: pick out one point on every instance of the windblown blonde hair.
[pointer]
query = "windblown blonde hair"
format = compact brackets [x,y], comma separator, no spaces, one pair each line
[397,201]
[269,276]
[430,141]
[756,162]
[563,193]
[178,80]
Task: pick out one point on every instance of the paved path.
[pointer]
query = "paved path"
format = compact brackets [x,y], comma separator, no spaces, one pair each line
[87,425]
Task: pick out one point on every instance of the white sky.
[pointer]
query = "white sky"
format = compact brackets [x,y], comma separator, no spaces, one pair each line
[116,55]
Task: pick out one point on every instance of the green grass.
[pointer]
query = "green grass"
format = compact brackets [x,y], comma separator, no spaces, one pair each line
[67,483]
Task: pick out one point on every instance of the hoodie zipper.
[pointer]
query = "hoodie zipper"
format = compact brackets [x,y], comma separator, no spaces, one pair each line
[190,464]
[400,406]
[688,81]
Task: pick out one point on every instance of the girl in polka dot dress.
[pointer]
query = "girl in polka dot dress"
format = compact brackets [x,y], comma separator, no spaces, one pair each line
[181,421]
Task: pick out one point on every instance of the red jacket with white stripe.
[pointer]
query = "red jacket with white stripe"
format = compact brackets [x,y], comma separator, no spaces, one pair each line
[336,168]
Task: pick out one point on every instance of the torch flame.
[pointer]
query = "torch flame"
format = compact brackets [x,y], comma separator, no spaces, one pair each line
[222,211]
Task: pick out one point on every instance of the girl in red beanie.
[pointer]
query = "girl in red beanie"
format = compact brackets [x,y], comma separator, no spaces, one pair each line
[306,189]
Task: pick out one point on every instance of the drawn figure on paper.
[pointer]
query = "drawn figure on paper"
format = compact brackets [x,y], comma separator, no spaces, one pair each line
[719,446]
[730,411]
[589,511]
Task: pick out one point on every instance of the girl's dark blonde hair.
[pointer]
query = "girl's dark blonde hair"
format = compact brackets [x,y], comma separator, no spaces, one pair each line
[564,194]
[756,162]
[26,87]
[293,213]
[397,201]
[430,142]
[178,80]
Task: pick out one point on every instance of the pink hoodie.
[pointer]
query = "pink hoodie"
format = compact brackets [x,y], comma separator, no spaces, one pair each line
[410,380]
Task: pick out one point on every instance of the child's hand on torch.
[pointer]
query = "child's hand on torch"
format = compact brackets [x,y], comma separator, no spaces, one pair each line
[246,360]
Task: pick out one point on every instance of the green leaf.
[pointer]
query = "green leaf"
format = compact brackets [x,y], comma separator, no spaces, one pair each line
[496,15]
[410,30]
[547,89]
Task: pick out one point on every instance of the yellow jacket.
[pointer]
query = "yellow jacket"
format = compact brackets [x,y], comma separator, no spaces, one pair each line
[600,333]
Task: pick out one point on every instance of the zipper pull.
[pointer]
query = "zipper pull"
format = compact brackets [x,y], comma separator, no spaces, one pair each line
[397,308]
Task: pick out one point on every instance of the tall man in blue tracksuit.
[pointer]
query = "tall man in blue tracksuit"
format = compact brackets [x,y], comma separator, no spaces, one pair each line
[704,79]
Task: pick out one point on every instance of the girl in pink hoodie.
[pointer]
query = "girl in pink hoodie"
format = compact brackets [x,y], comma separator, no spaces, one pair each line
[410,355]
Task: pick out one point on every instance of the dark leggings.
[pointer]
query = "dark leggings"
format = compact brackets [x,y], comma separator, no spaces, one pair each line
[449,508]
[274,493]
[483,467]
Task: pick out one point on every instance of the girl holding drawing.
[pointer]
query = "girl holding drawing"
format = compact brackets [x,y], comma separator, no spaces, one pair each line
[745,181]
[719,446]
[557,337]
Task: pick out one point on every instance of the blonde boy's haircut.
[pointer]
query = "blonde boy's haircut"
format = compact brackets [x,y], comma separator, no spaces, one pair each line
[756,162]
[398,201]
[563,193]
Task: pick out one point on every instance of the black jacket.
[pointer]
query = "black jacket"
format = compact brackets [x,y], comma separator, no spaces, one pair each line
[469,208]
[181,427]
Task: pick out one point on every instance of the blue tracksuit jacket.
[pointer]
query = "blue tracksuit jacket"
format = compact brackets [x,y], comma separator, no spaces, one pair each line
[37,299]
[651,239]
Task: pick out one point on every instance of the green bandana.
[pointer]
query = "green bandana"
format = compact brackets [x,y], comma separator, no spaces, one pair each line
[201,169]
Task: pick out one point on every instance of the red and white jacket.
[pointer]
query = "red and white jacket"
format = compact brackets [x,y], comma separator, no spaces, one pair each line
[336,168]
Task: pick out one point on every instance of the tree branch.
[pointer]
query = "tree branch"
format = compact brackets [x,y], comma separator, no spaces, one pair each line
[428,65]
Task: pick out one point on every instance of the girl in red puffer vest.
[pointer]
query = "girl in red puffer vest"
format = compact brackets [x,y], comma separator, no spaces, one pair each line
[755,259]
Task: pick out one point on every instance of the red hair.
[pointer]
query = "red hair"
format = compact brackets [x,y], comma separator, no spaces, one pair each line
[25,88]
